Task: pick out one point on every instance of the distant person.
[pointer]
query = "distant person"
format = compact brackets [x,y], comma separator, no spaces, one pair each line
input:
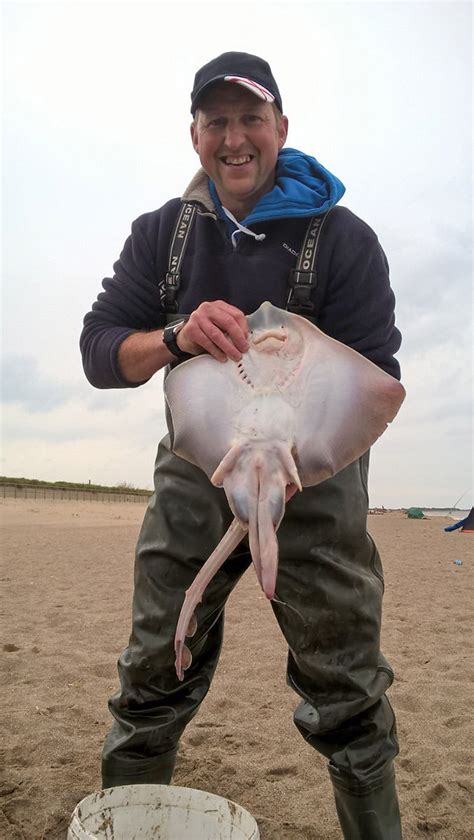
[188,275]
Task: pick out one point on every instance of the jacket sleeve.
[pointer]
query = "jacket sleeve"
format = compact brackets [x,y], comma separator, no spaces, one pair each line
[359,304]
[129,303]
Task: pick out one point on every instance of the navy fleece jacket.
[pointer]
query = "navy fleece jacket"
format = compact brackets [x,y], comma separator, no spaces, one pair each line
[353,295]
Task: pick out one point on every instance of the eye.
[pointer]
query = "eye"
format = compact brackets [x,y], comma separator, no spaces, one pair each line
[217,122]
[252,119]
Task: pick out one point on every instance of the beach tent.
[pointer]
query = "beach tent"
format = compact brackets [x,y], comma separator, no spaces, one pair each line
[415,513]
[466,525]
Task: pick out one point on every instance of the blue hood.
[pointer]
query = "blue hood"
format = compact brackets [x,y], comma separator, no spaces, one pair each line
[302,188]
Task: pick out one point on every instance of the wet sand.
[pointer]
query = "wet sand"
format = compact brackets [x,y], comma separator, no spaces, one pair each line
[66,580]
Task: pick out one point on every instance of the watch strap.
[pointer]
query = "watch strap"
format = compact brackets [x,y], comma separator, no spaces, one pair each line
[170,339]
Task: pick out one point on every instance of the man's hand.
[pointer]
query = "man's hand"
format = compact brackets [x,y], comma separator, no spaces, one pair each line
[217,328]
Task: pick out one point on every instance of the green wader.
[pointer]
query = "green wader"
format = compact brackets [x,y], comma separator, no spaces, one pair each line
[329,591]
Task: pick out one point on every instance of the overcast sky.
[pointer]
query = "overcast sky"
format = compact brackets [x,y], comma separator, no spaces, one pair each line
[96,132]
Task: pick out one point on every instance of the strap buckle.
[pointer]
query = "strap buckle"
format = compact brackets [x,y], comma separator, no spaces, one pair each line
[172,284]
[302,283]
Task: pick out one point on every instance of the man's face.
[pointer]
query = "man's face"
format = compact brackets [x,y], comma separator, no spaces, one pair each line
[237,137]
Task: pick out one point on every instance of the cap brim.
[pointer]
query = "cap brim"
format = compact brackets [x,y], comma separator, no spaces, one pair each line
[253,87]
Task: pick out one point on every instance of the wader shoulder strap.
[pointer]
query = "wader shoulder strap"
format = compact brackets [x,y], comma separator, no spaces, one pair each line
[170,285]
[303,279]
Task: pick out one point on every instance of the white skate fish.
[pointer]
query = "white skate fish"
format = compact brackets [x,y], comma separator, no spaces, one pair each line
[295,410]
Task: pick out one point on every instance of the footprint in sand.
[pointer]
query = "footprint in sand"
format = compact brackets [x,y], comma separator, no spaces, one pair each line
[430,826]
[406,764]
[436,792]
[466,784]
[456,721]
[196,739]
[224,704]
[289,770]
[102,669]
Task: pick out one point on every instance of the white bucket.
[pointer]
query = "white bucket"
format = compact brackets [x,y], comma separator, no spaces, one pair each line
[160,812]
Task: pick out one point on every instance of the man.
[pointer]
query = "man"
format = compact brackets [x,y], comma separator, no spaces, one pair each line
[252,202]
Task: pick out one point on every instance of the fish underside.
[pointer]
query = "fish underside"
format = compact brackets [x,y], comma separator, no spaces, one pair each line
[296,409]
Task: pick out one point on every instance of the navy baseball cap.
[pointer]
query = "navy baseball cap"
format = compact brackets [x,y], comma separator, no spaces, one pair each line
[244,69]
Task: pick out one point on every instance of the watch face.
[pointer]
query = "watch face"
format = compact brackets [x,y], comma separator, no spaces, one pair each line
[171,329]
[169,337]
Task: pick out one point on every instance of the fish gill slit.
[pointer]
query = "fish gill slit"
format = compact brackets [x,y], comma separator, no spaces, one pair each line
[244,375]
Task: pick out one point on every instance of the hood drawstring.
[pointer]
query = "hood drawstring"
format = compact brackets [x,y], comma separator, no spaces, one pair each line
[241,228]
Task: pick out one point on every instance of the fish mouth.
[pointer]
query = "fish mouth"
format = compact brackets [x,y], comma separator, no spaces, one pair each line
[280,335]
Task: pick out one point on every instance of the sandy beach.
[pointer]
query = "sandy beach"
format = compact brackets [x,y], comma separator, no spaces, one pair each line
[66,580]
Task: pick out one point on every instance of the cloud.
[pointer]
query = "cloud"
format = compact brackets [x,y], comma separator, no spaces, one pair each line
[91,145]
[23,382]
[52,410]
[105,436]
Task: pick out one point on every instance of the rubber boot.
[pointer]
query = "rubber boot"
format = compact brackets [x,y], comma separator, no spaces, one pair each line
[369,811]
[151,771]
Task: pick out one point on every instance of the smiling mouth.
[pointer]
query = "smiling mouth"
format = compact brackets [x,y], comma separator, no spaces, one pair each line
[236,160]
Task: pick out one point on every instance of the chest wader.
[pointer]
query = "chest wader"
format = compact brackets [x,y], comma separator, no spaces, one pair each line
[329,592]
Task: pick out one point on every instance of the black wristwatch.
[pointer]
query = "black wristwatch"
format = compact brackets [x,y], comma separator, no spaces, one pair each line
[170,333]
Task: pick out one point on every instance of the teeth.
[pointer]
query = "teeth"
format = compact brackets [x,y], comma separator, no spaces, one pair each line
[237,161]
